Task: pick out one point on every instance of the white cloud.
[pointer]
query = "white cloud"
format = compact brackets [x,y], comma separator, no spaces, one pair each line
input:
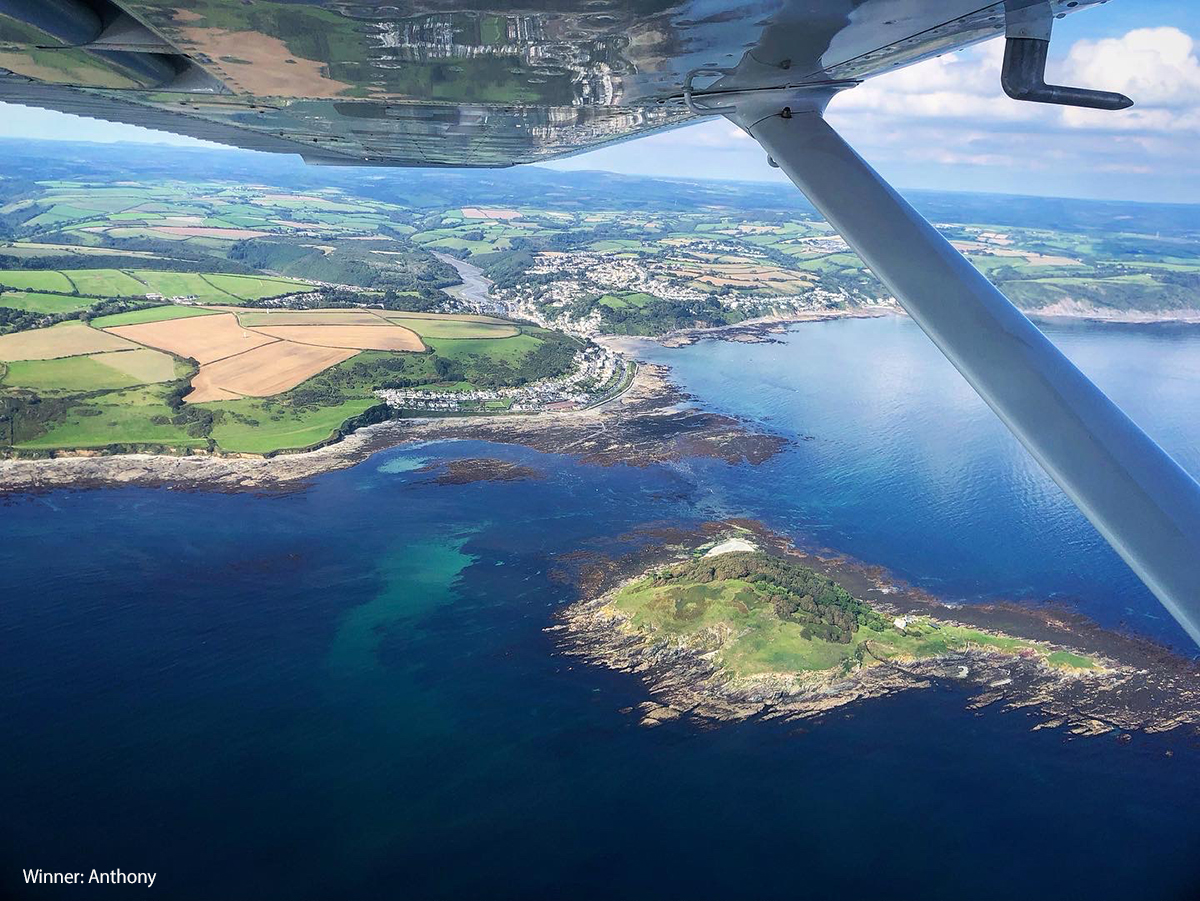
[951,112]
[963,85]
[1157,67]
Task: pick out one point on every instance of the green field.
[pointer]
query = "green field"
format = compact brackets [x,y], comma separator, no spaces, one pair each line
[138,416]
[250,287]
[150,314]
[105,282]
[507,349]
[94,372]
[42,303]
[182,284]
[36,280]
[456,328]
[262,426]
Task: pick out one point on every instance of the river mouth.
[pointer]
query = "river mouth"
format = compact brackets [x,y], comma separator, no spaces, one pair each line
[475,287]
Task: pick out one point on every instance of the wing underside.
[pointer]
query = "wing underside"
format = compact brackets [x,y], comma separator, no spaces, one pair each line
[453,85]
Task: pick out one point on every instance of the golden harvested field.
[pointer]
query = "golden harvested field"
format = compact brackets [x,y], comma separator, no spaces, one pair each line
[66,340]
[358,337]
[143,364]
[238,359]
[203,338]
[258,318]
[263,371]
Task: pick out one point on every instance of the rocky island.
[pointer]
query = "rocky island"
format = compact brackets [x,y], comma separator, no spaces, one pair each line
[727,631]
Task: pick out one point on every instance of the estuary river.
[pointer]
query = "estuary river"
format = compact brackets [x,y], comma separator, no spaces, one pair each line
[349,690]
[474,288]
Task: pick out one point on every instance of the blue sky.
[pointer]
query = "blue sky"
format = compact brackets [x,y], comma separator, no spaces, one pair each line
[943,124]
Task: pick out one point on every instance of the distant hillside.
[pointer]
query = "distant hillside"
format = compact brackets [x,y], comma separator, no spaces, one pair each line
[425,188]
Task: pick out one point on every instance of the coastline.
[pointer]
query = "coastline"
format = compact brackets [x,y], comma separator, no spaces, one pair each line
[1139,687]
[755,331]
[1073,311]
[647,423]
[762,329]
[595,432]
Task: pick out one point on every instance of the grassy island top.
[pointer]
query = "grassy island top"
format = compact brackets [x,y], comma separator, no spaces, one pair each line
[759,614]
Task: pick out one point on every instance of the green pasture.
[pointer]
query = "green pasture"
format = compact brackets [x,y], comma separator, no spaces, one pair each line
[105,282]
[92,372]
[42,303]
[260,425]
[254,287]
[36,280]
[133,416]
[150,314]
[510,350]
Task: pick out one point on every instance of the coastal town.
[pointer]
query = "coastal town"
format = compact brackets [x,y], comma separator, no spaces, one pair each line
[599,375]
[569,290]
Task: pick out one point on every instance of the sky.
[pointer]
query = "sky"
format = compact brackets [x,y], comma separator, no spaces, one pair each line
[943,124]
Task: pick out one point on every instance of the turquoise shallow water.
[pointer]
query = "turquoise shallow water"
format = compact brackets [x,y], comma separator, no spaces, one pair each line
[349,692]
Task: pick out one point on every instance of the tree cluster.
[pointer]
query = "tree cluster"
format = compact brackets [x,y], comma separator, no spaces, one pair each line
[796,593]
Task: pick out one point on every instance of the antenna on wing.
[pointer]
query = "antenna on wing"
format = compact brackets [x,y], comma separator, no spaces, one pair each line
[1027,44]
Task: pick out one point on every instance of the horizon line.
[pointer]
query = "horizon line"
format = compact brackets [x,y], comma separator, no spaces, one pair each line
[543,167]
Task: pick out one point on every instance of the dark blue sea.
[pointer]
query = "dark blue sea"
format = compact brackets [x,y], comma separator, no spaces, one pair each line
[349,692]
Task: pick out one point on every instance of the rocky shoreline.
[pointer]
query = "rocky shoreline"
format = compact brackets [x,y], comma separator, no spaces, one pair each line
[648,423]
[764,330]
[1077,311]
[1138,687]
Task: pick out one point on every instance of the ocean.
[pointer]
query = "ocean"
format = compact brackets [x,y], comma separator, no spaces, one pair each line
[349,690]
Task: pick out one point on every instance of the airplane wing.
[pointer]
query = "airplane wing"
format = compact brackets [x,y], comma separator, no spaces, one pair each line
[430,83]
[449,83]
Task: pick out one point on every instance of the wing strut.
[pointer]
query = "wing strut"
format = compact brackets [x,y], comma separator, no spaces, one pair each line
[1143,503]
